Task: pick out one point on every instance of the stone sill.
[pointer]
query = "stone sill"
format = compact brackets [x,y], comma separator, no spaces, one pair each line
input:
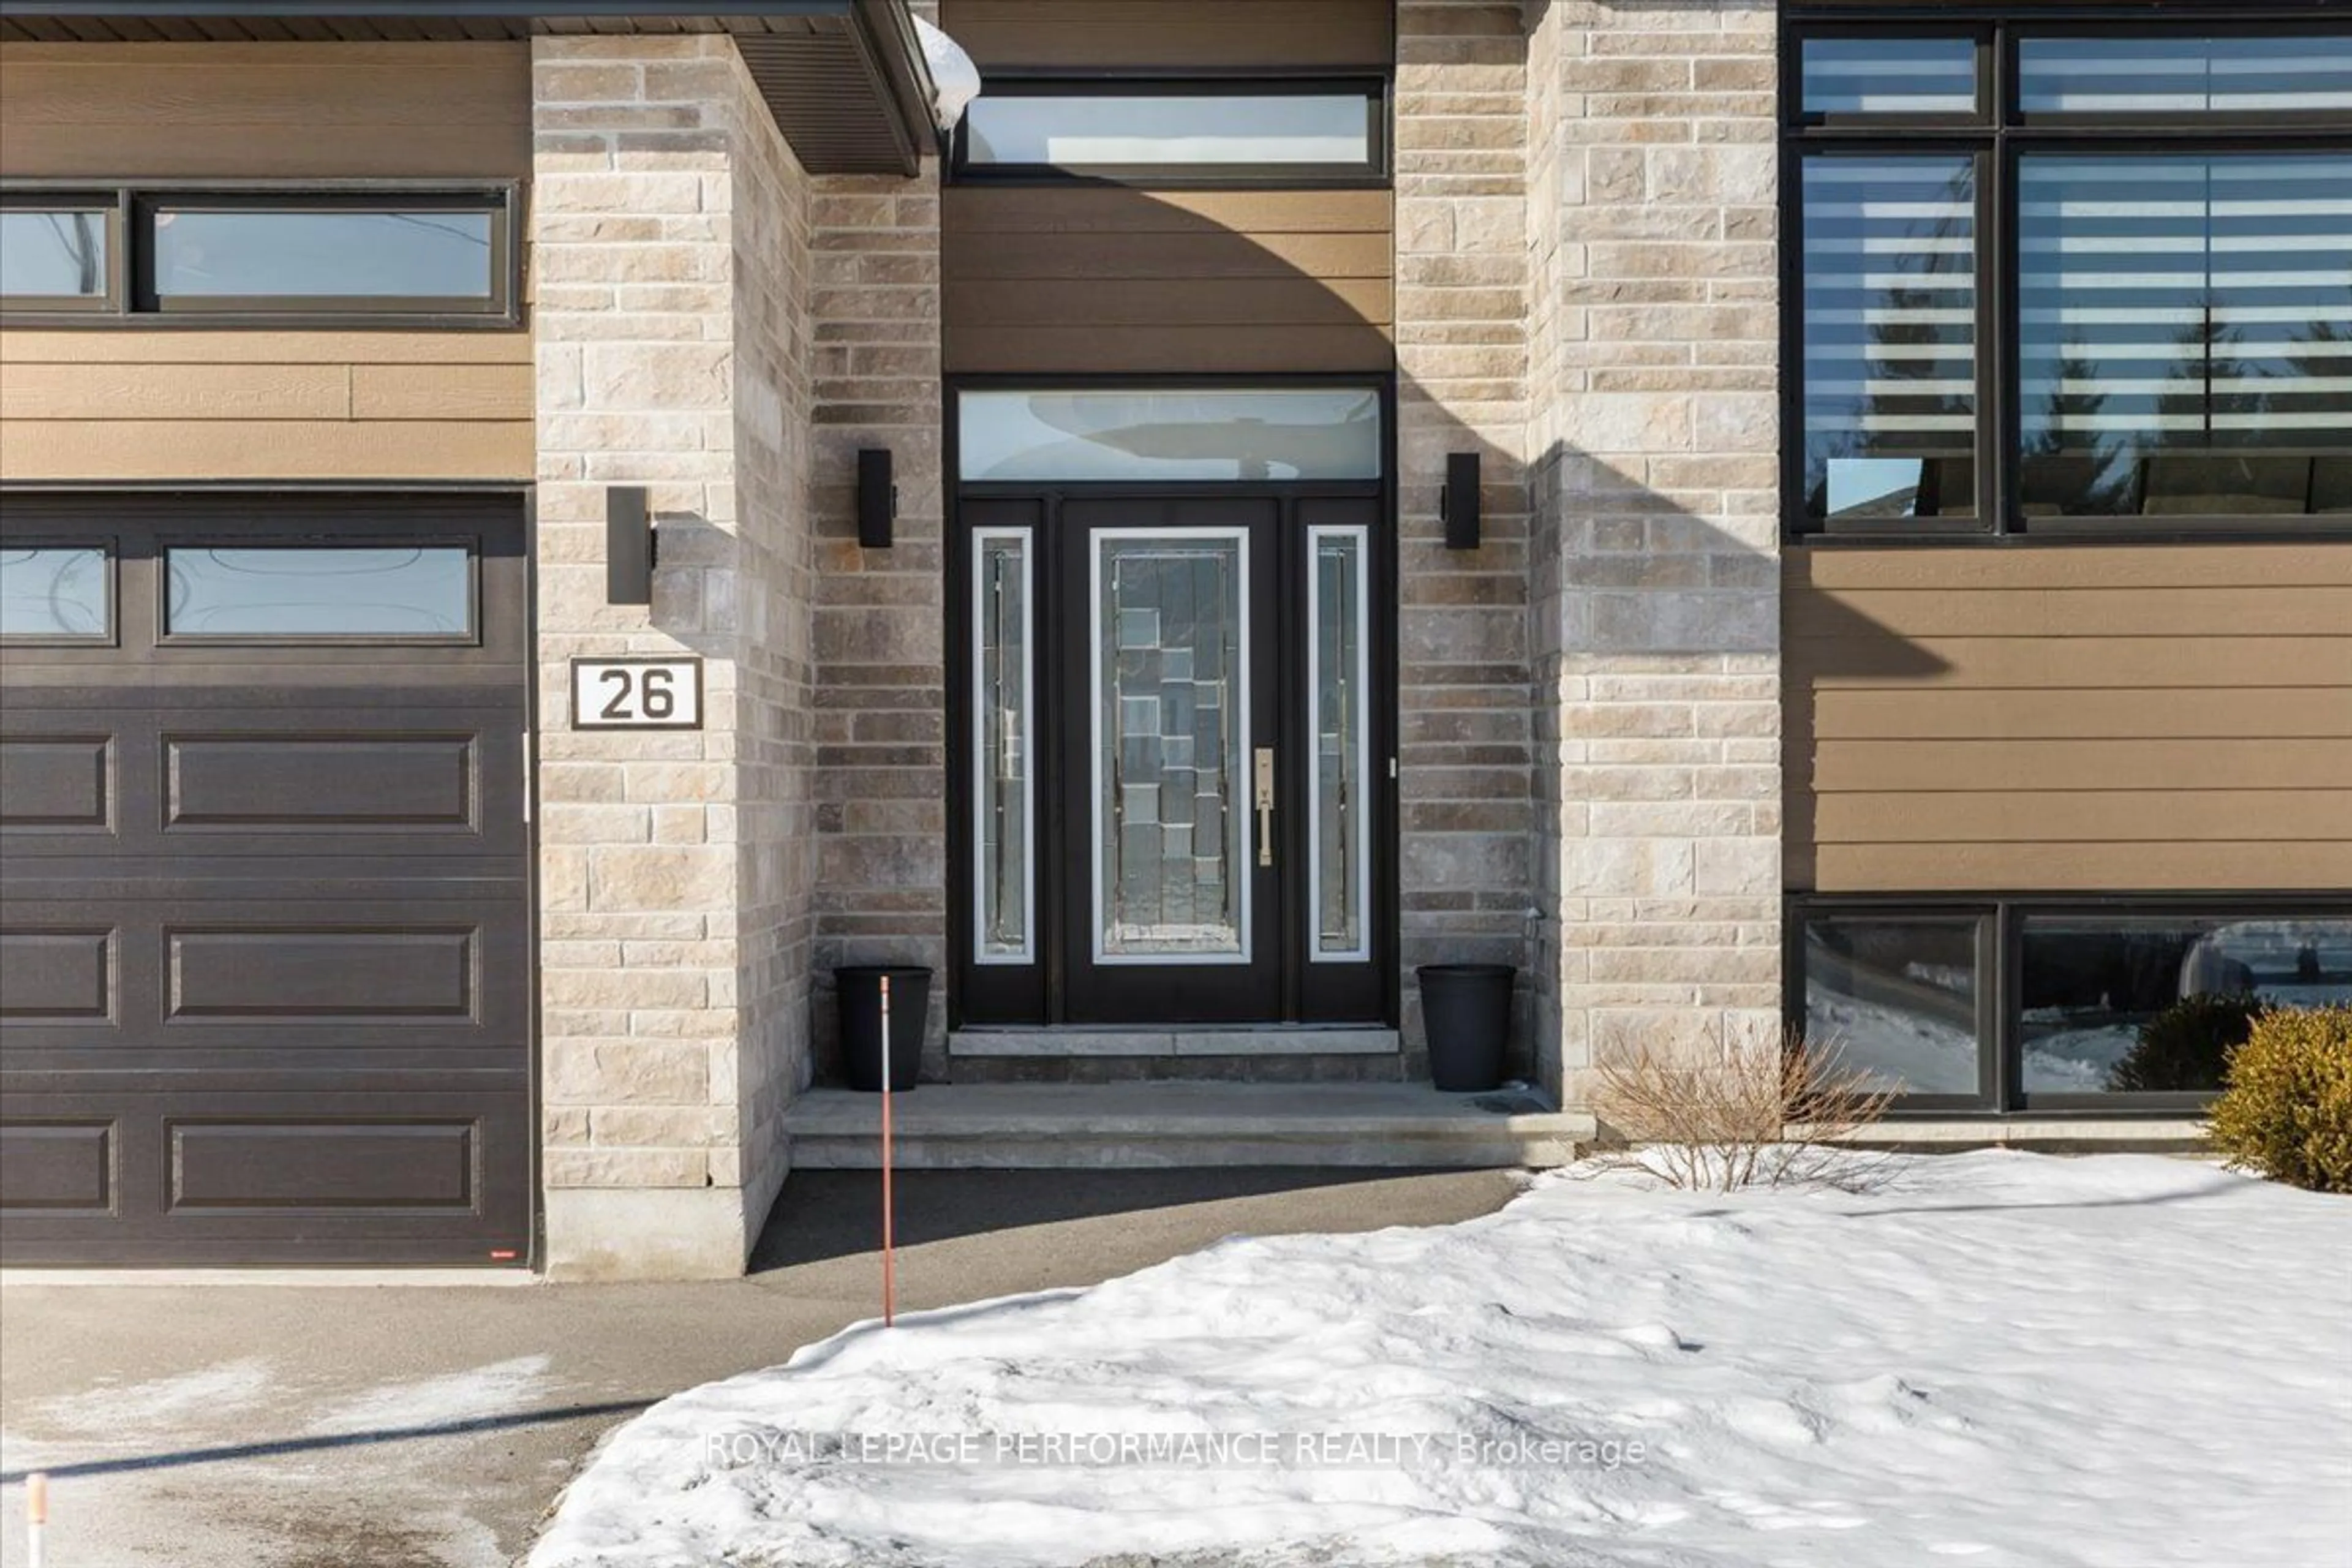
[2048,1134]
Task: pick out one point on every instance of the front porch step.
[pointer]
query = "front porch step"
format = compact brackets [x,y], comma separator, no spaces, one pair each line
[1106,1126]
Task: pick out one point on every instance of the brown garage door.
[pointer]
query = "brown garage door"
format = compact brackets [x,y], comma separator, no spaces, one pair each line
[265,963]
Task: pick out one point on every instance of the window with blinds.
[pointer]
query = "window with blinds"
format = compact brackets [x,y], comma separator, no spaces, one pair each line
[1889,334]
[2086,275]
[2185,334]
[2254,75]
[1887,76]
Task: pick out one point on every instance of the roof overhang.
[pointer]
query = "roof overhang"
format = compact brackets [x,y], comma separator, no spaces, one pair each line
[843,79]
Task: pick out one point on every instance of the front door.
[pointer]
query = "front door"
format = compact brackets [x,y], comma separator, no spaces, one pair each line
[1178,752]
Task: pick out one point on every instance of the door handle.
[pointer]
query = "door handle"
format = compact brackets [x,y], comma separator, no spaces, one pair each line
[1265,805]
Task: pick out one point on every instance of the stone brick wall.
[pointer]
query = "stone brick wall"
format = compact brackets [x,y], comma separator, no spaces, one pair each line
[1654,436]
[1465,738]
[670,267]
[880,636]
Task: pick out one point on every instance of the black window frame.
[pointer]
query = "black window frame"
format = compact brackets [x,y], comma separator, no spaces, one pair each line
[132,302]
[2003,135]
[2000,981]
[1376,173]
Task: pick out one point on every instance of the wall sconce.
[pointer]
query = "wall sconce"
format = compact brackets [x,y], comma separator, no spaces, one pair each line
[1457,504]
[877,497]
[628,545]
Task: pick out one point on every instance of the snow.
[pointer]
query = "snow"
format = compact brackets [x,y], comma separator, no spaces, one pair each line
[953,74]
[2003,1359]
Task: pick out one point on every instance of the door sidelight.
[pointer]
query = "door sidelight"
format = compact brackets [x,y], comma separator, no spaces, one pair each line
[1265,805]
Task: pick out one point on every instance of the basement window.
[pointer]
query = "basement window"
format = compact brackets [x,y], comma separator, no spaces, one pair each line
[2052,1003]
[368,254]
[1255,132]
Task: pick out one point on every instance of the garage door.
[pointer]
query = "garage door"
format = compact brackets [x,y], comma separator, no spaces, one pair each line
[265,963]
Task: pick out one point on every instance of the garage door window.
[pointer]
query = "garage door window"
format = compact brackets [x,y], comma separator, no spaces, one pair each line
[55,594]
[330,592]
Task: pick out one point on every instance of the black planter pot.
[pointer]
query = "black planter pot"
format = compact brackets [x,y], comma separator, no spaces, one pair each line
[857,988]
[1468,1009]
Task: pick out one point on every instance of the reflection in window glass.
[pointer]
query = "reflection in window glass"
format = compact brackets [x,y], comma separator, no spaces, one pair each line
[1896,999]
[1889,75]
[2093,983]
[322,591]
[1001,715]
[53,593]
[2184,76]
[1289,433]
[2186,336]
[1890,307]
[1170,129]
[52,253]
[1339,688]
[426,254]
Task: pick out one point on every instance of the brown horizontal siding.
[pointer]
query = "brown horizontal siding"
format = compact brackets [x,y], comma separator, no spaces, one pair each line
[128,405]
[112,403]
[1103,280]
[265,111]
[1113,35]
[2086,717]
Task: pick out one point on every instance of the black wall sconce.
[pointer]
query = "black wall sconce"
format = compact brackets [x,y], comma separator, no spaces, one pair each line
[1457,504]
[877,497]
[628,545]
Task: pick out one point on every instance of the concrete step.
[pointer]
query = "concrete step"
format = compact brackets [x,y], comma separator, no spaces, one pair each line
[1104,1126]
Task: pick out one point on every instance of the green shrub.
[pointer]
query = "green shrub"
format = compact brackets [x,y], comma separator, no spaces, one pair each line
[2187,1046]
[2287,1112]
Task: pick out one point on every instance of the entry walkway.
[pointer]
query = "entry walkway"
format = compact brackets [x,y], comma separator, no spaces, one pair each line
[327,1427]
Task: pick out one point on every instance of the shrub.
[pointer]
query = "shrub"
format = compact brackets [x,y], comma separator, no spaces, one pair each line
[1772,1113]
[2287,1112]
[2187,1046]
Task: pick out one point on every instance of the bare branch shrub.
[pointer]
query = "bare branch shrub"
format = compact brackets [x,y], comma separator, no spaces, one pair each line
[1779,1112]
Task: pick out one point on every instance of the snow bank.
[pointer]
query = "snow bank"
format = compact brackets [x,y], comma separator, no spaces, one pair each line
[2003,1359]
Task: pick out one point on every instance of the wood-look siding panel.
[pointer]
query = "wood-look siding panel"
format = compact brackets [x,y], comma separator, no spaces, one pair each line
[1219,302]
[1114,209]
[265,111]
[182,345]
[209,391]
[2182,713]
[107,403]
[2081,817]
[86,449]
[1110,35]
[2069,718]
[1170,351]
[1036,255]
[1106,280]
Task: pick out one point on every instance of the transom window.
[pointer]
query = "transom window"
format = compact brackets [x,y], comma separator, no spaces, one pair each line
[2091,279]
[265,252]
[1244,131]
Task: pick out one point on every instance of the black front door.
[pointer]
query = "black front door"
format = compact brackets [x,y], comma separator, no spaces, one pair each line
[1177,723]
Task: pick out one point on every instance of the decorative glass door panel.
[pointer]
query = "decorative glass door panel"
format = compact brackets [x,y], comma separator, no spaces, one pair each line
[1171,711]
[1174,725]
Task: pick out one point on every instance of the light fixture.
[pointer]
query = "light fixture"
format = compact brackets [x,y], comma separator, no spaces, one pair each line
[1457,504]
[877,497]
[628,545]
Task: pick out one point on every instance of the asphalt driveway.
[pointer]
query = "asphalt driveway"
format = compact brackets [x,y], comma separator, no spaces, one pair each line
[397,1427]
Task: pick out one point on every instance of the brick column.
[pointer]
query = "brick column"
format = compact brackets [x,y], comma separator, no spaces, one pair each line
[881,649]
[670,266]
[1464,751]
[1657,575]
